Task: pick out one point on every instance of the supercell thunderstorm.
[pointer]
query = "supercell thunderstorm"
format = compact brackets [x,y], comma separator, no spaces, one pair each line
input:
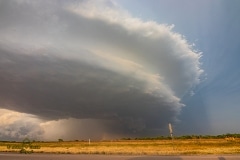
[89,69]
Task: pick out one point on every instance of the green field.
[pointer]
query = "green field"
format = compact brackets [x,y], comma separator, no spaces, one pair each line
[131,147]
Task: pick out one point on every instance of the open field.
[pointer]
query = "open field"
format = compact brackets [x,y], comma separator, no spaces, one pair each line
[133,147]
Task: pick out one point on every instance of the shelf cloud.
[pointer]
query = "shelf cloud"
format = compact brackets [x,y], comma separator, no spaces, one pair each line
[90,68]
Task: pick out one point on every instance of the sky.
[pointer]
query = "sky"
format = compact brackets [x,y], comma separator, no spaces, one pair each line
[117,68]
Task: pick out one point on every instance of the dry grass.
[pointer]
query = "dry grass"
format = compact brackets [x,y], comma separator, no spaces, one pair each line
[137,147]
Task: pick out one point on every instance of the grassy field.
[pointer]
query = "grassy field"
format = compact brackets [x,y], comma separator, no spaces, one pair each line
[133,147]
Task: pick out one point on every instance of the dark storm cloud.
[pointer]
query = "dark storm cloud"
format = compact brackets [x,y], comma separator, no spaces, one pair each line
[75,60]
[54,88]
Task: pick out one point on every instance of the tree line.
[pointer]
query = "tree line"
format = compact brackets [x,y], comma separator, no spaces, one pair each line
[222,136]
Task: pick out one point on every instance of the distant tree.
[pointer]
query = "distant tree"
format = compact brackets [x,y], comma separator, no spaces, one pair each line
[60,140]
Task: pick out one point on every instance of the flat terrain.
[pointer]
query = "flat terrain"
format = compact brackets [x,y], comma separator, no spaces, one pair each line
[130,147]
[10,156]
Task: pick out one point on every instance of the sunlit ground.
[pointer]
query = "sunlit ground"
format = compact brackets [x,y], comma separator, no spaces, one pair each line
[135,147]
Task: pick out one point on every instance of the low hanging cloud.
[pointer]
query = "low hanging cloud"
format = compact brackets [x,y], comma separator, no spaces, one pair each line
[15,126]
[84,64]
